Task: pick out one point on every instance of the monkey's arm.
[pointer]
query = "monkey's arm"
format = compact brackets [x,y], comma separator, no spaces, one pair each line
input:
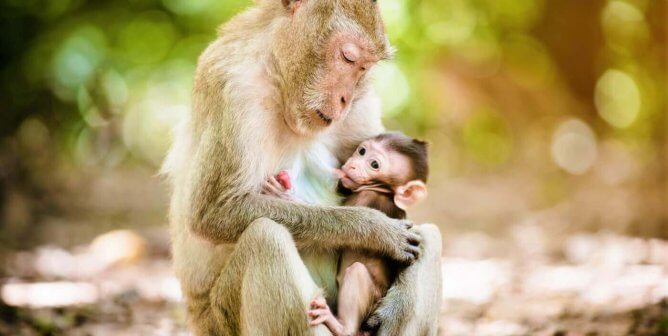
[311,226]
[224,203]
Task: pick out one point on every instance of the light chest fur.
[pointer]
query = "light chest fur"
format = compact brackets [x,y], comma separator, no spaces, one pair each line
[310,168]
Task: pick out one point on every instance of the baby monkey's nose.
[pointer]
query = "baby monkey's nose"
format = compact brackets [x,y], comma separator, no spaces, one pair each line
[344,100]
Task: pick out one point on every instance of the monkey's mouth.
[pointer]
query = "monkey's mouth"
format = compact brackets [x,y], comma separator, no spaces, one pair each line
[348,182]
[323,117]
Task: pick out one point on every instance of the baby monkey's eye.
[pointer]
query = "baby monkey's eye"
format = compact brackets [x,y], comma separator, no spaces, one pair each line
[374,164]
[362,151]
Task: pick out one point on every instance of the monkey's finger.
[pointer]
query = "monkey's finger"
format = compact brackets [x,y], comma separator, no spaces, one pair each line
[414,251]
[414,239]
[319,303]
[268,191]
[319,320]
[407,258]
[272,189]
[274,182]
[317,312]
[407,224]
[265,189]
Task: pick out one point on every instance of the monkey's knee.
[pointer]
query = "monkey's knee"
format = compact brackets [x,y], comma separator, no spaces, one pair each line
[357,274]
[268,234]
[270,249]
[356,269]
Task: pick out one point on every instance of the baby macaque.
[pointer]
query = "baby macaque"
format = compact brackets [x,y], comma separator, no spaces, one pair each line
[387,173]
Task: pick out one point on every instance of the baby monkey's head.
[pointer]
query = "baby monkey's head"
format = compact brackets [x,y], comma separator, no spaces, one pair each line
[389,160]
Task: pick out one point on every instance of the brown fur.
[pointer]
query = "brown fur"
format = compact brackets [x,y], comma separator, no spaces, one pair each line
[380,270]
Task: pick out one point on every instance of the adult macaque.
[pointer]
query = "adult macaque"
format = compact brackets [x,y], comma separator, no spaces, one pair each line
[285,87]
[386,173]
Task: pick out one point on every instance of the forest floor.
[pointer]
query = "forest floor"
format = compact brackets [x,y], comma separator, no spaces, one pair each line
[528,278]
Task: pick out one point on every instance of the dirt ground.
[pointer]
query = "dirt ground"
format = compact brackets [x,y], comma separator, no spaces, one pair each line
[614,293]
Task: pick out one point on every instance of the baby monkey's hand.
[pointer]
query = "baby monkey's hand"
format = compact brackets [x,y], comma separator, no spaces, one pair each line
[321,314]
[278,186]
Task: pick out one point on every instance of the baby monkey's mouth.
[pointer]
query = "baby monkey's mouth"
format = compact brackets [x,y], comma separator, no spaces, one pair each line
[324,118]
[349,182]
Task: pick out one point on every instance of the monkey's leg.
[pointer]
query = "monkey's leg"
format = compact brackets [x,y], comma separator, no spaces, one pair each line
[265,289]
[412,305]
[357,293]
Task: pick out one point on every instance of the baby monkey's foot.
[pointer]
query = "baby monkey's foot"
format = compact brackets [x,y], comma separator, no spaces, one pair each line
[321,313]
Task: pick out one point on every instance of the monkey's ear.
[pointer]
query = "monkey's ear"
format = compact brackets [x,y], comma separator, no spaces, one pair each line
[291,5]
[409,194]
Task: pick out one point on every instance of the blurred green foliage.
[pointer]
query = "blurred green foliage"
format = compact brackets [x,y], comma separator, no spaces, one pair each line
[103,82]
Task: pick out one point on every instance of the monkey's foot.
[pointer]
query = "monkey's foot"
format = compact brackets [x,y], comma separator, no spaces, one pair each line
[321,313]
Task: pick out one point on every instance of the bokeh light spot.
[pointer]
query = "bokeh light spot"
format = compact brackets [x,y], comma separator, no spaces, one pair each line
[76,60]
[452,22]
[148,124]
[617,98]
[624,26]
[115,88]
[392,86]
[148,38]
[395,16]
[574,147]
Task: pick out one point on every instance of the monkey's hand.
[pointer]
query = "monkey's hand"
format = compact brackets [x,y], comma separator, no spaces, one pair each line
[273,187]
[397,241]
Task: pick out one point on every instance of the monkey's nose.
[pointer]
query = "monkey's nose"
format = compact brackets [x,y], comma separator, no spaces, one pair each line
[344,100]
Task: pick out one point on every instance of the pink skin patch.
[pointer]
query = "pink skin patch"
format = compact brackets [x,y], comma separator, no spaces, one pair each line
[347,60]
[284,179]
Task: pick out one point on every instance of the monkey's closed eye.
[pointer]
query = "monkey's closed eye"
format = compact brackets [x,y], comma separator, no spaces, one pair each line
[347,58]
[362,151]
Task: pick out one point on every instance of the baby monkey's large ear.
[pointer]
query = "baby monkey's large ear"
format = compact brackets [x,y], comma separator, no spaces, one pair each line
[409,194]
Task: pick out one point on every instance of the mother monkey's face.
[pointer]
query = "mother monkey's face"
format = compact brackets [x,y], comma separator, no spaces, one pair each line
[324,52]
